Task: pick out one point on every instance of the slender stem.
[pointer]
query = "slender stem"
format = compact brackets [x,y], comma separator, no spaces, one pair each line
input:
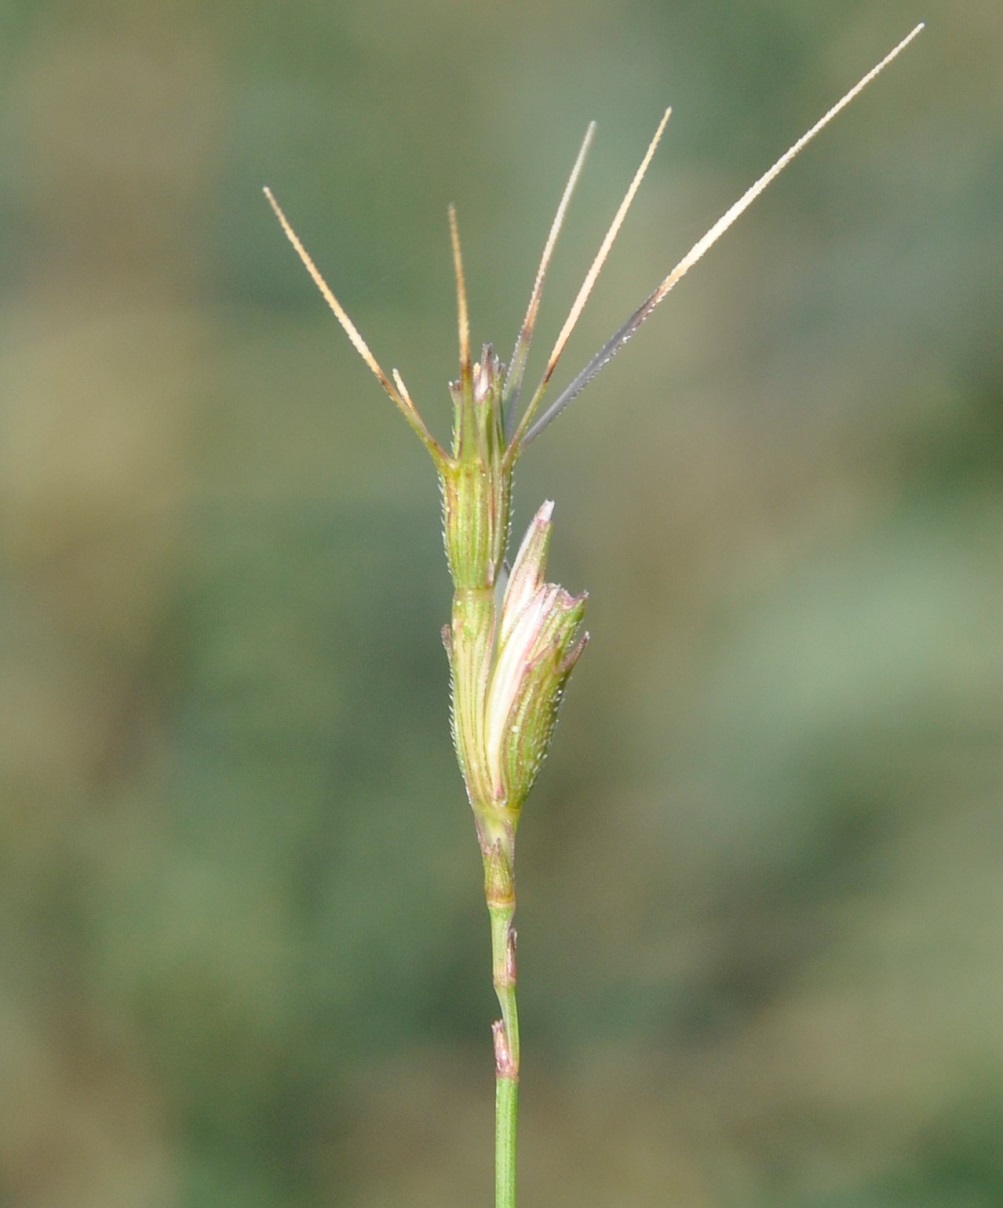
[506,1114]
[499,890]
[506,1039]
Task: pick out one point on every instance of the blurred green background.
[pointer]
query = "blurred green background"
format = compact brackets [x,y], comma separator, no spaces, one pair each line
[243,952]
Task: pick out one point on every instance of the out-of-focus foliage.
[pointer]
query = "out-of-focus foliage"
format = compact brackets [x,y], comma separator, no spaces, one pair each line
[242,952]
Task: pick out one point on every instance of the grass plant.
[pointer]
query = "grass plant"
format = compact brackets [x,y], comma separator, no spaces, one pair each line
[513,638]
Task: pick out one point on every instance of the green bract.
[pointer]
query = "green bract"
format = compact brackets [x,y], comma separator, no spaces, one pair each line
[506,691]
[511,647]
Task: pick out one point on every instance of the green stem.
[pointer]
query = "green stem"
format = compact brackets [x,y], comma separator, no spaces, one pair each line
[506,1038]
[506,1113]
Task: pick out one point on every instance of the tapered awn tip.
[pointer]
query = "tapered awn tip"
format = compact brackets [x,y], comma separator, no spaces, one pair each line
[913,33]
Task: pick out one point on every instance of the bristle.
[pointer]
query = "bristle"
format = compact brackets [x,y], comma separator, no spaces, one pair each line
[462,316]
[517,364]
[397,392]
[593,274]
[700,248]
